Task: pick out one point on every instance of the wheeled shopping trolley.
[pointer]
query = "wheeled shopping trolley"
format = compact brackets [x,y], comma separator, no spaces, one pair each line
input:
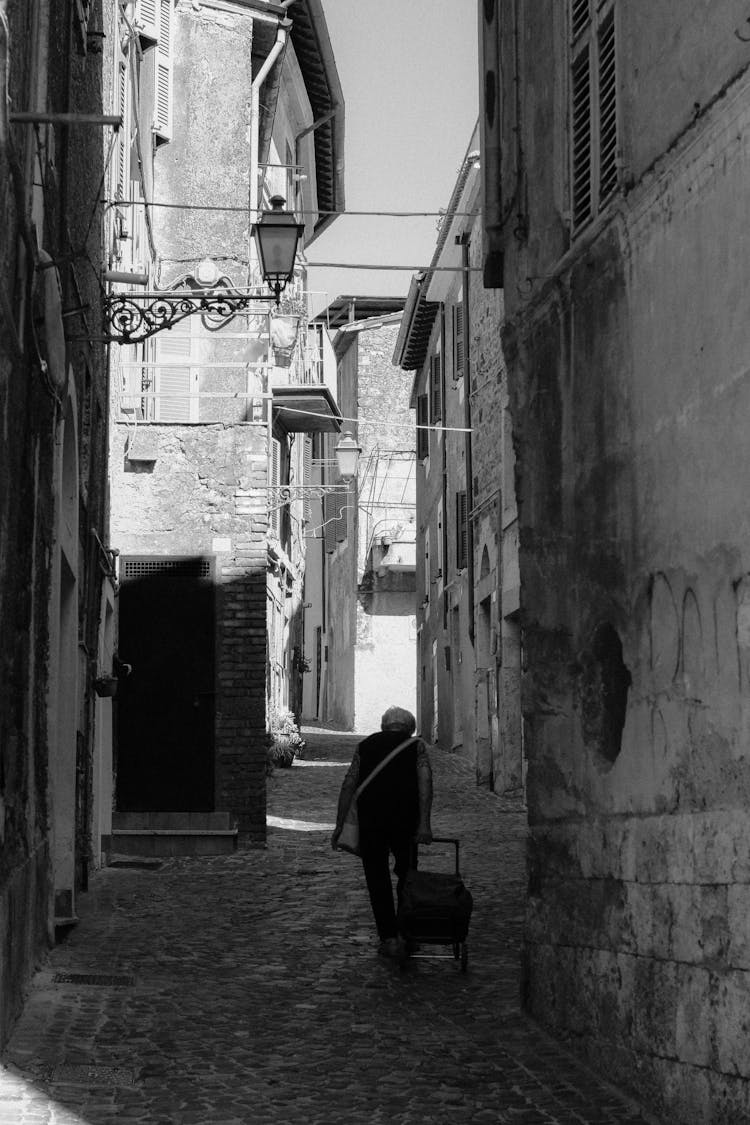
[436,907]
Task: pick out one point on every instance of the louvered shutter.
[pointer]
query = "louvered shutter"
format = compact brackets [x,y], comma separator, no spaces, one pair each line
[436,404]
[423,434]
[458,336]
[175,403]
[579,17]
[307,477]
[581,172]
[462,544]
[607,108]
[147,21]
[275,474]
[123,136]
[164,56]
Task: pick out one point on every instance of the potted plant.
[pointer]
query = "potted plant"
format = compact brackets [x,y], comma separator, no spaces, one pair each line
[286,742]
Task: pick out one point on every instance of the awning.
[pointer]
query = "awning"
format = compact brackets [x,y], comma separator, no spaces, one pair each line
[306,409]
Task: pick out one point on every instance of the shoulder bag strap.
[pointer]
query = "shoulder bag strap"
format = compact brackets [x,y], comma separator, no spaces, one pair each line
[381,766]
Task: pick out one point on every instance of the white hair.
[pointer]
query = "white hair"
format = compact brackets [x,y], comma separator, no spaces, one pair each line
[398,718]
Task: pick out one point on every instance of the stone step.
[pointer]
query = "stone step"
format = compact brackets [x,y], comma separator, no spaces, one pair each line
[172,834]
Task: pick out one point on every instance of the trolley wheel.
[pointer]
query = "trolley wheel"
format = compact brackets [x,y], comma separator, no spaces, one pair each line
[464,956]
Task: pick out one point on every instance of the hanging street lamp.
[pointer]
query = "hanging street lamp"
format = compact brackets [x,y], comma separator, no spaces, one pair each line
[276,236]
[133,317]
[347,456]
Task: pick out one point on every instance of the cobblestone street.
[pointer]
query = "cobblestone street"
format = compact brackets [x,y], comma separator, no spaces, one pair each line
[247,989]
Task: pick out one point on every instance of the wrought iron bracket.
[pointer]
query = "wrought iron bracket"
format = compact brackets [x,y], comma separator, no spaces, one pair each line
[133,317]
[279,496]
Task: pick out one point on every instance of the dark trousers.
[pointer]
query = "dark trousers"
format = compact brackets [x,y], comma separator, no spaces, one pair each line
[376,848]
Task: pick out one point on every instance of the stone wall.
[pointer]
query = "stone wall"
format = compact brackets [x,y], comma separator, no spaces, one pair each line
[629,387]
[35,399]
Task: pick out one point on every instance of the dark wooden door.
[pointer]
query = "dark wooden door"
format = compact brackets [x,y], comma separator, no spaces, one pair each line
[165,707]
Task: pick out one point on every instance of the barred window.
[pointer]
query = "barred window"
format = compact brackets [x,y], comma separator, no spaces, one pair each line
[594,127]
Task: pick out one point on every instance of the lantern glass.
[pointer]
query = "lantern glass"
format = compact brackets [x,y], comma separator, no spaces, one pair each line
[276,237]
[347,456]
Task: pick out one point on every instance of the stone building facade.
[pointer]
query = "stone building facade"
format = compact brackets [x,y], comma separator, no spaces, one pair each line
[210,418]
[53,410]
[369,531]
[616,219]
[467,584]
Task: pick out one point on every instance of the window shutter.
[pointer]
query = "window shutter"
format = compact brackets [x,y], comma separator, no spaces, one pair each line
[307,456]
[607,108]
[462,530]
[436,405]
[275,471]
[458,336]
[423,435]
[579,17]
[174,403]
[123,136]
[164,55]
[582,202]
[147,14]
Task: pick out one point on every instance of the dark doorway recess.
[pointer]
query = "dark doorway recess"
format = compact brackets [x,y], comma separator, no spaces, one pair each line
[165,707]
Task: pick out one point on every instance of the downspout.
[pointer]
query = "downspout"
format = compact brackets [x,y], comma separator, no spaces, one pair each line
[464,241]
[443,404]
[281,38]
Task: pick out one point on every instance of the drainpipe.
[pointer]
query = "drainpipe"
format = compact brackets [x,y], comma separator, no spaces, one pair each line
[281,38]
[444,552]
[463,239]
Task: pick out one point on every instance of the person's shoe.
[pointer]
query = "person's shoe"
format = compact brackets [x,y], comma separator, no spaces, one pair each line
[393,948]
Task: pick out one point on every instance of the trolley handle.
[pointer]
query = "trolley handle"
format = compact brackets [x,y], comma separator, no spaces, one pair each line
[448,840]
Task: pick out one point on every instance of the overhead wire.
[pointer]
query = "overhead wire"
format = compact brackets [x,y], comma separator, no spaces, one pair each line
[386,424]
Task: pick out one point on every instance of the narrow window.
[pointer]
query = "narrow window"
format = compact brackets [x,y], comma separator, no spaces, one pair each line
[462,531]
[423,434]
[458,341]
[594,153]
[436,397]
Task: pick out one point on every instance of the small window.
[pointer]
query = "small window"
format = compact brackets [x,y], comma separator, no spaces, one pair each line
[423,433]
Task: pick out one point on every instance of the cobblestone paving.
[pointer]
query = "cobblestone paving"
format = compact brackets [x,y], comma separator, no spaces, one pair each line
[246,990]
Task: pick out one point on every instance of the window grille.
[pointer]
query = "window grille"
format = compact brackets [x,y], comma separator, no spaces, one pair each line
[594,110]
[423,435]
[137,567]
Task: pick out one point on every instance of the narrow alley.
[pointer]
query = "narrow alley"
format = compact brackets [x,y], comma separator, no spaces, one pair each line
[246,989]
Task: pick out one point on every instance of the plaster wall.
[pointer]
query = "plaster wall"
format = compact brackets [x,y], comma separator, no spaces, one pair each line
[629,384]
[385,668]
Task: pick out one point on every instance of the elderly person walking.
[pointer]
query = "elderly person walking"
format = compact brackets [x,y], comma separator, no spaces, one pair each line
[394,813]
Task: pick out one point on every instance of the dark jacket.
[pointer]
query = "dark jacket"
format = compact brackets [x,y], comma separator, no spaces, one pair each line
[390,803]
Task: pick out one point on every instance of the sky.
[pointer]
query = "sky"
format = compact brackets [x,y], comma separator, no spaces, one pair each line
[408,70]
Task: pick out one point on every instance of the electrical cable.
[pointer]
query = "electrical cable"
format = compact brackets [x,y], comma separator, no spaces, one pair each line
[297,211]
[367,422]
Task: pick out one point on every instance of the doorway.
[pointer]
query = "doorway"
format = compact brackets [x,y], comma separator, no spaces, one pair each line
[166,706]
